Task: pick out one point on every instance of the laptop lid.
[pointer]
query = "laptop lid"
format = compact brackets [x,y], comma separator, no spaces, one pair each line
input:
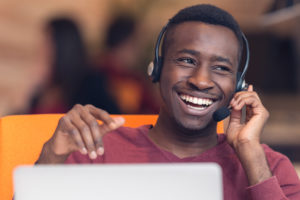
[122,181]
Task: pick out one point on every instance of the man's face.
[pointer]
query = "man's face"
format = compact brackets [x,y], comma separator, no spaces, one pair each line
[199,72]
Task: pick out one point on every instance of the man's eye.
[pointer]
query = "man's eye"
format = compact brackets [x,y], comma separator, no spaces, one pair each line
[186,60]
[222,68]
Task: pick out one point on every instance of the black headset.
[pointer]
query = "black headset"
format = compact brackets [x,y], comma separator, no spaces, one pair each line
[155,67]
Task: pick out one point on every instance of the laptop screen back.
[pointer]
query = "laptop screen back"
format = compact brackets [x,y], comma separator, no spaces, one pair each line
[116,182]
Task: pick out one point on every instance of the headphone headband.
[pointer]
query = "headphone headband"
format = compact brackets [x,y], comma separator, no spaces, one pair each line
[160,36]
[241,79]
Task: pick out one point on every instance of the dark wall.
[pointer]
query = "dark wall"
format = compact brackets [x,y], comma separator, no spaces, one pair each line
[273,64]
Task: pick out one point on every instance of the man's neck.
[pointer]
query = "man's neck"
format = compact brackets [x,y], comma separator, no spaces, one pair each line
[168,136]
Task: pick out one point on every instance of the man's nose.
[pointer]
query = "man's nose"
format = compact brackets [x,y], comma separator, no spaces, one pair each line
[201,79]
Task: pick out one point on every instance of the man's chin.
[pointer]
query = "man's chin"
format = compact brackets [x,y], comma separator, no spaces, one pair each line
[194,129]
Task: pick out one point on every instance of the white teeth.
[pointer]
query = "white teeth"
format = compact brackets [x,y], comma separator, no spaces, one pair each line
[199,102]
[195,100]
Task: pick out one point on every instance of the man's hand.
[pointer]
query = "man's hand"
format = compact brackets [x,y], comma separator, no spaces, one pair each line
[244,137]
[256,116]
[79,130]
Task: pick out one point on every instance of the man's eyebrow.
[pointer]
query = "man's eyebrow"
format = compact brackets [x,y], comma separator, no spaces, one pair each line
[214,58]
[190,51]
[221,59]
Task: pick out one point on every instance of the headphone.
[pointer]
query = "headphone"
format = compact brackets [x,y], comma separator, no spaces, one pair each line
[155,67]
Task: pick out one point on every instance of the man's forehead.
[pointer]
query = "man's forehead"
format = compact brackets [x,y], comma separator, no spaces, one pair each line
[190,25]
[197,33]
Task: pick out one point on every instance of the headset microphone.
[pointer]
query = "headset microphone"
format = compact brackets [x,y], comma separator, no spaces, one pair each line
[221,114]
[241,85]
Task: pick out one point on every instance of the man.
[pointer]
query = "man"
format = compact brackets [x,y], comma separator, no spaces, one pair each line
[201,52]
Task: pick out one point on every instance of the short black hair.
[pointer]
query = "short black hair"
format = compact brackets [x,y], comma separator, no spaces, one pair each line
[208,14]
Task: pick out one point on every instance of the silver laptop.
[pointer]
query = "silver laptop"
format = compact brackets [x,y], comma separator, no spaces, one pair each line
[119,182]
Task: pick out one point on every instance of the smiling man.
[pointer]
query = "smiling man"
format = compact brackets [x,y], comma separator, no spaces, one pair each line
[201,52]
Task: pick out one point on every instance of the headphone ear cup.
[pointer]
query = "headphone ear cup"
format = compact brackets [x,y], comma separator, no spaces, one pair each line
[156,69]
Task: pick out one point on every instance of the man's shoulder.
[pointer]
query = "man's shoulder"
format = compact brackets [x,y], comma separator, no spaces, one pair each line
[271,152]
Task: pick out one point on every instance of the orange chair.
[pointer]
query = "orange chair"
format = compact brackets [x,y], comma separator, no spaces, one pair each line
[22,138]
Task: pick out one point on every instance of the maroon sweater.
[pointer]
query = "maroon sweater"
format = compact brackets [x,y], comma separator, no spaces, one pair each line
[129,145]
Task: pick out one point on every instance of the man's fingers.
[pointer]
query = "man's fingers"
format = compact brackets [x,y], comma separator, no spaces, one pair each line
[250,88]
[100,114]
[97,133]
[78,140]
[85,133]
[100,147]
[81,124]
[108,125]
[111,123]
[242,95]
[247,101]
[252,101]
[74,133]
[85,119]
[118,121]
[238,101]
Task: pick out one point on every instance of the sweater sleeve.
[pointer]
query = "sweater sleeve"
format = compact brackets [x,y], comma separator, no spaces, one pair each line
[283,185]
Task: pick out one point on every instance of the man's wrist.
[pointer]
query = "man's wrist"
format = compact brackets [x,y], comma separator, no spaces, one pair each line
[243,147]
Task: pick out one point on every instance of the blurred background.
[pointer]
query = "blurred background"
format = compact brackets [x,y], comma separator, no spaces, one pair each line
[56,53]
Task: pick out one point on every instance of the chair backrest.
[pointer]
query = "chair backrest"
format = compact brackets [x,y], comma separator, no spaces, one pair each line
[22,138]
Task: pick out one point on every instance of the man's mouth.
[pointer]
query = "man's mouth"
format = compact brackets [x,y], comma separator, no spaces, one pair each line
[196,102]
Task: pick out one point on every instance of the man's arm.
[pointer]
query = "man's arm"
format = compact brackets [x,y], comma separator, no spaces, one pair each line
[253,159]
[284,184]
[78,130]
[244,137]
